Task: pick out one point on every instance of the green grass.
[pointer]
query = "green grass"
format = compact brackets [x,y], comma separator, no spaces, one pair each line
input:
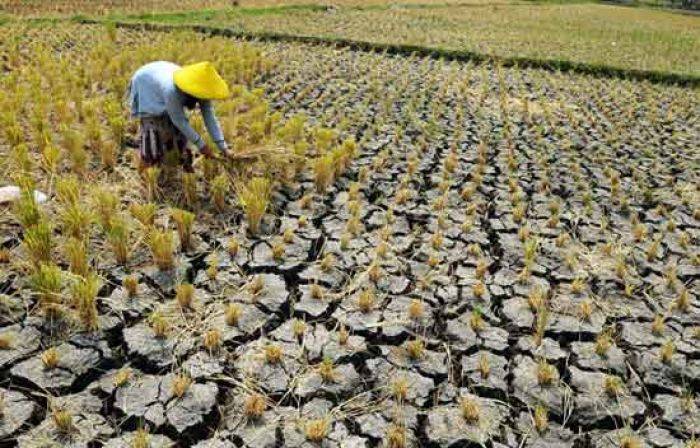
[218,15]
[581,33]
[657,3]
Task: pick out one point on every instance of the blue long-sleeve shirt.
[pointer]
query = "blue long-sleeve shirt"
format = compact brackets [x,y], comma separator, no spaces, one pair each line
[152,93]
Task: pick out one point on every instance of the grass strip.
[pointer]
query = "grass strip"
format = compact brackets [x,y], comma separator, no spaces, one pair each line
[185,17]
[597,70]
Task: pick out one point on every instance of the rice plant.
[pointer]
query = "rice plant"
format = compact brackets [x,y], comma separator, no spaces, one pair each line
[67,190]
[50,358]
[415,349]
[298,329]
[353,226]
[184,295]
[122,377]
[476,321]
[144,213]
[668,349]
[540,418]
[481,269]
[189,189]
[484,366]
[212,270]
[219,188]
[316,429]
[254,198]
[479,289]
[254,406]
[84,295]
[150,183]
[603,342]
[541,321]
[212,340]
[326,370]
[375,271]
[273,354]
[471,411]
[105,204]
[613,386]
[141,439]
[256,285]
[345,239]
[536,298]
[302,221]
[396,436]
[75,252]
[160,242]
[323,172]
[682,302]
[180,385]
[545,373]
[63,421]
[630,440]
[50,158]
[119,239]
[108,154]
[232,313]
[316,291]
[78,157]
[26,210]
[305,201]
[159,324]
[530,250]
[76,220]
[658,325]
[233,246]
[183,222]
[366,300]
[399,388]
[47,282]
[416,309]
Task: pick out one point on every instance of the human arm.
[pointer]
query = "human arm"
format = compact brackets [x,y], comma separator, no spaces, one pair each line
[212,125]
[176,112]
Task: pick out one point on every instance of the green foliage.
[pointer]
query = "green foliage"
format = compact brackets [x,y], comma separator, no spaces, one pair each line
[26,209]
[609,40]
[119,238]
[144,213]
[47,282]
[75,252]
[38,242]
[160,242]
[254,198]
[219,187]
[76,220]
[84,294]
[324,172]
[183,221]
[67,190]
[105,204]
[293,129]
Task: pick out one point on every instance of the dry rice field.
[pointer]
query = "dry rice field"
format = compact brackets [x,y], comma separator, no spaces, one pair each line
[415,253]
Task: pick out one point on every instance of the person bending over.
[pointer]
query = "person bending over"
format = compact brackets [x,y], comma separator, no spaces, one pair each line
[159,93]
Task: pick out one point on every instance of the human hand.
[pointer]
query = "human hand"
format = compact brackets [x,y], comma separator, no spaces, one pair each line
[226,153]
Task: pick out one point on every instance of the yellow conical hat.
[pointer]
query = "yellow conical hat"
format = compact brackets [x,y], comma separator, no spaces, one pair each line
[201,81]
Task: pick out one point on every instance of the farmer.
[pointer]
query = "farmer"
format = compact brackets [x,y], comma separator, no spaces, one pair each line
[159,93]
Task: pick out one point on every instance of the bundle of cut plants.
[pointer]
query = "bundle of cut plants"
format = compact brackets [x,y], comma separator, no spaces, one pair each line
[269,160]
